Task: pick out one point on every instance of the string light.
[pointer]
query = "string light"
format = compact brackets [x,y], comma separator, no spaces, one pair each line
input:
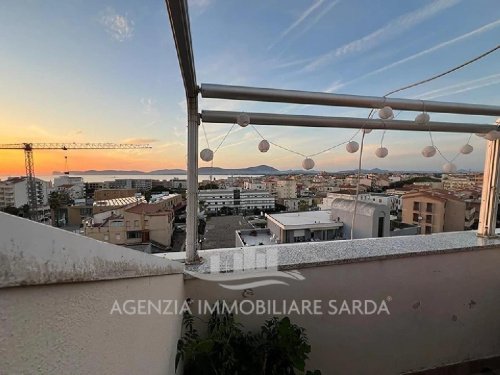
[207,155]
[466,149]
[385,113]
[422,118]
[243,120]
[492,135]
[381,152]
[264,146]
[449,168]
[429,151]
[352,147]
[308,164]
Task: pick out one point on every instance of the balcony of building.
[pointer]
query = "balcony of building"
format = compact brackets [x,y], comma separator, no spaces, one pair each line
[58,290]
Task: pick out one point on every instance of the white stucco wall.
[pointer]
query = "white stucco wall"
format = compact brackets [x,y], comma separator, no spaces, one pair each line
[57,291]
[68,329]
[443,310]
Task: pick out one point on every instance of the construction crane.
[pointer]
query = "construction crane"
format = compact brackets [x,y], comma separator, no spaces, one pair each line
[30,169]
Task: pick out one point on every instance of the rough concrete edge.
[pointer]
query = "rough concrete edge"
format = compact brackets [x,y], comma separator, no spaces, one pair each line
[290,263]
[36,254]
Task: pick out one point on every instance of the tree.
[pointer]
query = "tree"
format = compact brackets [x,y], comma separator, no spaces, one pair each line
[57,200]
[11,210]
[209,186]
[303,205]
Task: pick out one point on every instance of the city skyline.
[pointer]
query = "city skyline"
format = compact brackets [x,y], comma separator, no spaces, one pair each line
[108,72]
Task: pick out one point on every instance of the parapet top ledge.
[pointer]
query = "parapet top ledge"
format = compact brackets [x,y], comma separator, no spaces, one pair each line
[311,254]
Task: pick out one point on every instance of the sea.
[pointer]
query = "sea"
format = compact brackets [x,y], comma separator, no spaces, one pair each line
[105,177]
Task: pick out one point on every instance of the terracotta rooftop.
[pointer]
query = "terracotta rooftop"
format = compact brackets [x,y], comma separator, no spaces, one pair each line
[146,208]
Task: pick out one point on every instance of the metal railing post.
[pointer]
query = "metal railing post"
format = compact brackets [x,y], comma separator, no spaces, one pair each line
[192,182]
[489,196]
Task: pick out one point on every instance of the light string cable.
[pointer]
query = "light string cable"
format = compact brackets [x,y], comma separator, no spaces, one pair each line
[418,83]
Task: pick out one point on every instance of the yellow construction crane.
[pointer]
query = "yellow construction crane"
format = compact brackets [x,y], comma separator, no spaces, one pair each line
[30,169]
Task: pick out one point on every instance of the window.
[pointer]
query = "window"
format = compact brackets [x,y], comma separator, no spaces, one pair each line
[136,223]
[416,206]
[428,230]
[428,219]
[429,207]
[415,218]
[134,234]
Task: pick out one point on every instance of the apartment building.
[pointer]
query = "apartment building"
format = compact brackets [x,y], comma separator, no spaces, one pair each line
[14,193]
[372,219]
[462,181]
[68,180]
[303,227]
[137,223]
[236,200]
[140,184]
[254,185]
[105,194]
[286,189]
[437,211]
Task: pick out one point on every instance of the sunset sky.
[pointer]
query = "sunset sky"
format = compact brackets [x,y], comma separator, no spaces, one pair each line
[107,71]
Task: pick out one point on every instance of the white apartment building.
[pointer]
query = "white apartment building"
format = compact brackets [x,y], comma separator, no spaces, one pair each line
[286,189]
[239,200]
[74,186]
[392,202]
[250,185]
[68,180]
[461,181]
[13,192]
[131,183]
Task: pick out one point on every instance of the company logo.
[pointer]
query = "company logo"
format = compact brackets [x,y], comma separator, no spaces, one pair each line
[251,269]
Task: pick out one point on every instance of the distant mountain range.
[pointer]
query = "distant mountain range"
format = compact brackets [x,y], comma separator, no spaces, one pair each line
[258,170]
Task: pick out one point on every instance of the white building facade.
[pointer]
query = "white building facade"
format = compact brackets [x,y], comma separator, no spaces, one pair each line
[14,193]
[215,200]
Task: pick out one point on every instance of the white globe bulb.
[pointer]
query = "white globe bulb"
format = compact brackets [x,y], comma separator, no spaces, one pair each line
[243,120]
[206,154]
[492,135]
[264,146]
[308,163]
[429,151]
[382,152]
[449,168]
[352,147]
[385,113]
[422,118]
[367,131]
[466,149]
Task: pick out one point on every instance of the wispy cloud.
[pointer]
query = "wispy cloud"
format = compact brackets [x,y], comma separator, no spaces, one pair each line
[297,22]
[318,17]
[140,140]
[118,26]
[473,84]
[337,85]
[401,24]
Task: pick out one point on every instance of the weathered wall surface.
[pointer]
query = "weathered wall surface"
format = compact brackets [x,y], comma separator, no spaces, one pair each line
[57,304]
[444,309]
[69,328]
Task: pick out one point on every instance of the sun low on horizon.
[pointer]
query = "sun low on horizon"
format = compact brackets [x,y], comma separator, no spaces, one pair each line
[107,72]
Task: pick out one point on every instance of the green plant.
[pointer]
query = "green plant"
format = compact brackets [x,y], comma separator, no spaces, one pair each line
[279,348]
